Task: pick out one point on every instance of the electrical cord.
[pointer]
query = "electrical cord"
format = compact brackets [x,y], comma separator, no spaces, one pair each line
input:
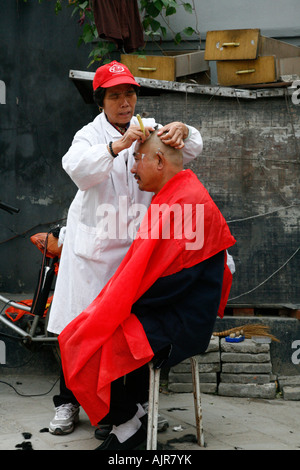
[268,278]
[30,395]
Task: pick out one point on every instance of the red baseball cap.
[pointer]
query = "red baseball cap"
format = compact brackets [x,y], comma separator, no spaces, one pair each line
[113,74]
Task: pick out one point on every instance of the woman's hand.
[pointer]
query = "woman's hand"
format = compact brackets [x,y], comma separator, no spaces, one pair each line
[173,134]
[133,134]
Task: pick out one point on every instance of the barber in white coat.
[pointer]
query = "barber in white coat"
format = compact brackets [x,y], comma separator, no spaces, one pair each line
[108,206]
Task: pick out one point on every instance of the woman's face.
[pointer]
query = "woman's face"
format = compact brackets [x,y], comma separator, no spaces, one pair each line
[119,104]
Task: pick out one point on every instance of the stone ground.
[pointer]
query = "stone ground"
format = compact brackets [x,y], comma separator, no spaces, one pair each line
[230,423]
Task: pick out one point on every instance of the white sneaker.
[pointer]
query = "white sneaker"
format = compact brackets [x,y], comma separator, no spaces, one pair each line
[66,416]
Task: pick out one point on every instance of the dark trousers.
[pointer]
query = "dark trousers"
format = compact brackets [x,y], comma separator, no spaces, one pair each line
[65,395]
[126,392]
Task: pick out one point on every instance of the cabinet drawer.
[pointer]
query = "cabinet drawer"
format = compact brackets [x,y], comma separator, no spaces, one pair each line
[247,72]
[167,67]
[233,44]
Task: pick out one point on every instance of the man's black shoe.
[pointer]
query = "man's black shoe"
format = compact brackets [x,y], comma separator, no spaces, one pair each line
[103,431]
[136,441]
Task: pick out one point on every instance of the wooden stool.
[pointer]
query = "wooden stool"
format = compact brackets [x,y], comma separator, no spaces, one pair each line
[154,402]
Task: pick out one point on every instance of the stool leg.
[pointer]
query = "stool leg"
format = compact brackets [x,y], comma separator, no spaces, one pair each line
[197,401]
[153,407]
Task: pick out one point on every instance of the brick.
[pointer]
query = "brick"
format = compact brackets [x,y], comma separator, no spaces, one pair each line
[246,346]
[209,357]
[188,388]
[245,357]
[246,368]
[267,391]
[288,380]
[243,312]
[291,393]
[187,377]
[246,378]
[214,345]
[186,367]
[295,314]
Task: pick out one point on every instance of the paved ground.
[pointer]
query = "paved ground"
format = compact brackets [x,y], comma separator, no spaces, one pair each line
[229,423]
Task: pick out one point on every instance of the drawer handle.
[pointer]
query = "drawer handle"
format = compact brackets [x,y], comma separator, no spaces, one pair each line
[239,72]
[230,44]
[147,69]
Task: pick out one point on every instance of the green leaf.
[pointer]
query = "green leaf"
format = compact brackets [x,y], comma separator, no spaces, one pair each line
[155,25]
[83,5]
[87,34]
[163,31]
[170,11]
[158,5]
[177,38]
[58,6]
[172,3]
[144,4]
[188,7]
[152,10]
[74,11]
[189,31]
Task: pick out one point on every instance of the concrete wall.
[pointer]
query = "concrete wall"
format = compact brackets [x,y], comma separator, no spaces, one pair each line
[43,111]
[275,18]
[249,165]
[249,161]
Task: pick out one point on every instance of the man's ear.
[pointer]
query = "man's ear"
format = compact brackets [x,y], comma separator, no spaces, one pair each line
[161,159]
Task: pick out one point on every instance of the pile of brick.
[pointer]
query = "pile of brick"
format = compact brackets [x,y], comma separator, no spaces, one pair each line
[180,376]
[289,386]
[246,370]
[241,369]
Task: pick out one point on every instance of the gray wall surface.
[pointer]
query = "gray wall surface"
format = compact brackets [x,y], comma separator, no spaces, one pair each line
[43,111]
[275,18]
[249,164]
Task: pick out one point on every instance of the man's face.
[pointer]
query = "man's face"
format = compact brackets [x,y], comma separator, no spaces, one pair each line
[119,104]
[145,168]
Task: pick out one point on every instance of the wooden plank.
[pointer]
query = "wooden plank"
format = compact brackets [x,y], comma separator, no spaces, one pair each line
[287,66]
[235,44]
[281,49]
[243,72]
[188,64]
[83,81]
[197,89]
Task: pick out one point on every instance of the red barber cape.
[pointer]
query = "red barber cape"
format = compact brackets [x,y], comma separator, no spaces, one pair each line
[107,341]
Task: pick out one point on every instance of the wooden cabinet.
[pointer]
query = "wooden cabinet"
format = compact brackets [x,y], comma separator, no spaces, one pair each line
[235,44]
[240,72]
[167,67]
[244,57]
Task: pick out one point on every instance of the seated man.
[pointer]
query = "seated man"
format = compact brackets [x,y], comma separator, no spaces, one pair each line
[160,305]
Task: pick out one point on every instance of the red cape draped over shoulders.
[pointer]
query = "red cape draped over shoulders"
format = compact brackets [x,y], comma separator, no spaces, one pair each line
[107,341]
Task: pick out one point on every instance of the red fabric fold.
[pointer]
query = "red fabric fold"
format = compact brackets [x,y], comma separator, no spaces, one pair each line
[106,340]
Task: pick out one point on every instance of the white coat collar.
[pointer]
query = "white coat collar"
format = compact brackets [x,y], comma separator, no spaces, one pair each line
[111,130]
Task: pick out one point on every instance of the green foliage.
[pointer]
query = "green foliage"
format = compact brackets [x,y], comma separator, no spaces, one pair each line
[154,17]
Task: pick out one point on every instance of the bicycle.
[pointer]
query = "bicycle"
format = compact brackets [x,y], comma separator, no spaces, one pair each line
[32,316]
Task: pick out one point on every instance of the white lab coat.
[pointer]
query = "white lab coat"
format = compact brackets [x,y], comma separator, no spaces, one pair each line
[91,253]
